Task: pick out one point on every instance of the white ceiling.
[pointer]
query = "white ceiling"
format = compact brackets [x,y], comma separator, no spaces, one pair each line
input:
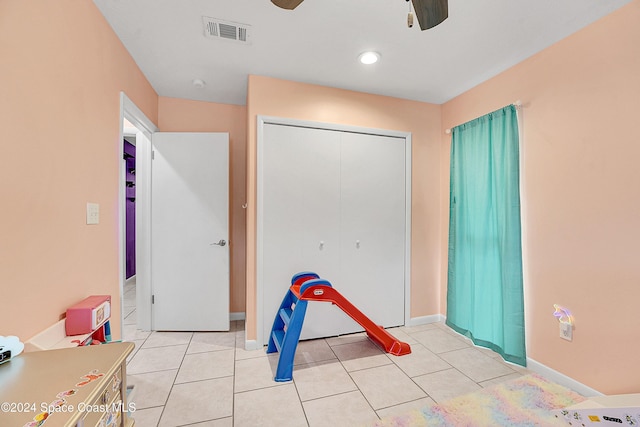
[319,43]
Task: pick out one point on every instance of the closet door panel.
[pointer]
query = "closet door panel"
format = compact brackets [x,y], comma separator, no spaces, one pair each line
[372,225]
[301,214]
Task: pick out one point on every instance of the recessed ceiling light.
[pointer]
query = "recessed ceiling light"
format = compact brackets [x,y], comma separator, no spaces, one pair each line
[369,58]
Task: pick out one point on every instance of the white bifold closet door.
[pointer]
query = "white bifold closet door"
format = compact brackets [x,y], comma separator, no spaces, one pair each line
[334,203]
[372,225]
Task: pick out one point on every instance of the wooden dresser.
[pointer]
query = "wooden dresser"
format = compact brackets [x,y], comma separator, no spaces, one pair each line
[82,386]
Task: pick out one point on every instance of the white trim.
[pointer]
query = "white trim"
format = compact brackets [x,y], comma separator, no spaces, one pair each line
[251,345]
[144,286]
[524,225]
[129,132]
[549,373]
[237,316]
[407,229]
[136,117]
[424,320]
[561,378]
[146,127]
[532,364]
[263,120]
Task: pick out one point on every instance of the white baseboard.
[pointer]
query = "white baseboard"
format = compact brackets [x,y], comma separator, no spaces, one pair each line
[532,364]
[252,345]
[423,320]
[236,316]
[561,378]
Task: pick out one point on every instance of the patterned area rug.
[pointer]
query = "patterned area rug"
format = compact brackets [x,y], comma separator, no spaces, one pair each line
[525,401]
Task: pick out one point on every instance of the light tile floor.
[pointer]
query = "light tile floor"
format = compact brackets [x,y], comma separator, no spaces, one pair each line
[207,379]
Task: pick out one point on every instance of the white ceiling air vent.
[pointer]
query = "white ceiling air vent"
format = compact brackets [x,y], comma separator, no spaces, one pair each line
[226,30]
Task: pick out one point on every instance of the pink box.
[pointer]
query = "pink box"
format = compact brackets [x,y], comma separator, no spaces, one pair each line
[88,315]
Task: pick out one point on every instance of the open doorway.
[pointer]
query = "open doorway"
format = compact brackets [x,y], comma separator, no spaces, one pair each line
[135,289]
[129,164]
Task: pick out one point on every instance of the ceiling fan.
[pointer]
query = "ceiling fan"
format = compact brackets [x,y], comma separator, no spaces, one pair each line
[430,12]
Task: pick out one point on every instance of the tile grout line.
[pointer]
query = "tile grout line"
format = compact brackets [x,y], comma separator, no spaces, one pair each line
[295,385]
[233,386]
[452,367]
[336,358]
[438,356]
[407,402]
[458,336]
[353,380]
[174,380]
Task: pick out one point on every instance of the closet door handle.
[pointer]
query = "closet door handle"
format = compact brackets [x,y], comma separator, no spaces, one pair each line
[220,243]
[357,244]
[321,247]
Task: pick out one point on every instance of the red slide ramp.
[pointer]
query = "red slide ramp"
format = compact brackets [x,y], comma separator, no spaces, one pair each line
[310,290]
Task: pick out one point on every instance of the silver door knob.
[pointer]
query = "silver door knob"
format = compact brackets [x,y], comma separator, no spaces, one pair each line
[220,243]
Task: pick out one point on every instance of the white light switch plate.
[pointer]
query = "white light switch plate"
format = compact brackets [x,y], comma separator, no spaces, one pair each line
[93,213]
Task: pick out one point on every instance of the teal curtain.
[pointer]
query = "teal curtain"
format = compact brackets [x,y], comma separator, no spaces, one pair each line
[484,289]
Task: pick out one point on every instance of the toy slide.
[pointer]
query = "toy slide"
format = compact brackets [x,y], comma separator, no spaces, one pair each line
[285,333]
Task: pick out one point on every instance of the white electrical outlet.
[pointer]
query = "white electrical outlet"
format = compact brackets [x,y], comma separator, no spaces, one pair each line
[93,213]
[566,331]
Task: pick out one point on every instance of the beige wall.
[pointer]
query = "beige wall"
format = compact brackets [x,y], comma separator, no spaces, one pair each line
[61,71]
[179,115]
[581,196]
[280,98]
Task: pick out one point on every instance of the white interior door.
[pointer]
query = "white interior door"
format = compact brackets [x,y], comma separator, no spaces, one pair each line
[301,217]
[372,222]
[189,231]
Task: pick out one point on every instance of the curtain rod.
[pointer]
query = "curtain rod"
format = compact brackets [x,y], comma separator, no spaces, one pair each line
[516,104]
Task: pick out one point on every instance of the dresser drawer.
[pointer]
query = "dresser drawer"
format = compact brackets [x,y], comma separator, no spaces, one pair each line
[112,417]
[106,410]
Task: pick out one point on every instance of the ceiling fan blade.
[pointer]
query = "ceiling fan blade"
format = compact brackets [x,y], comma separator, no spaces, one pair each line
[430,12]
[287,4]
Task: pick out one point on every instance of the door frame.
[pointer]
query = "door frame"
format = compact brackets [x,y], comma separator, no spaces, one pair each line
[265,120]
[131,112]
